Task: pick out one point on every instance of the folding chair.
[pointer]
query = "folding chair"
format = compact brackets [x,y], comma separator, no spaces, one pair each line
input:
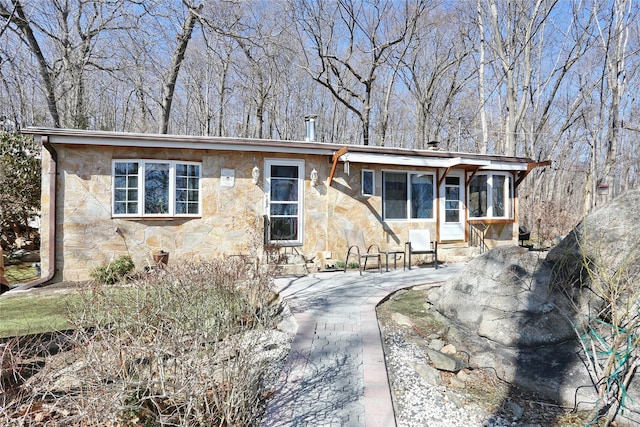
[420,243]
[358,249]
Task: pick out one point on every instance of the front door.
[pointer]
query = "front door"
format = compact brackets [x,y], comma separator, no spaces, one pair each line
[284,181]
[452,207]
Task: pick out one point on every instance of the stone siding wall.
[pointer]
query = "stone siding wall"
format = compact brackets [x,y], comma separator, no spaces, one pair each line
[232,217]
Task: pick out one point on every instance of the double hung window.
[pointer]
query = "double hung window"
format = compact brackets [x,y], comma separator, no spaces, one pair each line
[408,195]
[156,188]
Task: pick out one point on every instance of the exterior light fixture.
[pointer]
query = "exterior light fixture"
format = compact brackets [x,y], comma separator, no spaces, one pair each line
[314,177]
[255,173]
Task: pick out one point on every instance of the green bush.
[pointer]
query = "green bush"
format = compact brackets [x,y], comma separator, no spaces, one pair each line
[114,271]
[342,264]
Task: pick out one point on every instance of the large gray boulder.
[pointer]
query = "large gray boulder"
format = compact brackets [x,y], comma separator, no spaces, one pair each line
[609,241]
[505,313]
[505,296]
[520,312]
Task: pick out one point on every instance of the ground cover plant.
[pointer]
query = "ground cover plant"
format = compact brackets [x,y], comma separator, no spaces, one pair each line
[180,346]
[114,271]
[25,315]
[20,273]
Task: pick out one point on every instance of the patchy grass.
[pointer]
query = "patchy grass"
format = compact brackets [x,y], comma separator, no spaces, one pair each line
[27,314]
[20,273]
[411,303]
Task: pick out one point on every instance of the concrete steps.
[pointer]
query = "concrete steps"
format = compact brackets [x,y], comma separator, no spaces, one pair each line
[456,252]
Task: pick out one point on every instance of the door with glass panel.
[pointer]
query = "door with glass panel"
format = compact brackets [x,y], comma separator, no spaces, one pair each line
[452,207]
[284,181]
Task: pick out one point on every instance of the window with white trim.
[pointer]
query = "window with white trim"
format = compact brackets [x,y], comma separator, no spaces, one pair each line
[284,197]
[490,195]
[368,183]
[408,195]
[156,188]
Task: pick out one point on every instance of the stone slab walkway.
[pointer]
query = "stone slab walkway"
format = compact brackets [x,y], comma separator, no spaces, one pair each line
[335,374]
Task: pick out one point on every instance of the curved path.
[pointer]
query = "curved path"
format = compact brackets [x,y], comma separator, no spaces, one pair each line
[335,374]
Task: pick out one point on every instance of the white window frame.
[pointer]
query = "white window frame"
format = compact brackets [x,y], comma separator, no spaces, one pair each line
[409,196]
[267,197]
[171,213]
[508,196]
[373,182]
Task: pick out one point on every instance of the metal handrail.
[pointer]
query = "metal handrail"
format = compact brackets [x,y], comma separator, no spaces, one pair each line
[476,237]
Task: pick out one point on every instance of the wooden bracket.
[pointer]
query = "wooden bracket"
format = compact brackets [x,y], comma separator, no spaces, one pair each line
[530,167]
[444,175]
[334,161]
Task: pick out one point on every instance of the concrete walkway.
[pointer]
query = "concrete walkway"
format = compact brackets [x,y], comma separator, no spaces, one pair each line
[335,374]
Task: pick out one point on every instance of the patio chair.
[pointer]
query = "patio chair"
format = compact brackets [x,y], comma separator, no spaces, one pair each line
[358,249]
[420,243]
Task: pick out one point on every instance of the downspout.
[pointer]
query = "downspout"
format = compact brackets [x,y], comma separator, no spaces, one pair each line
[51,249]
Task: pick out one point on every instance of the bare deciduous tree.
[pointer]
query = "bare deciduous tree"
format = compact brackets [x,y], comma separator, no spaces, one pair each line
[350,41]
[613,34]
[435,74]
[514,31]
[15,14]
[75,30]
[168,89]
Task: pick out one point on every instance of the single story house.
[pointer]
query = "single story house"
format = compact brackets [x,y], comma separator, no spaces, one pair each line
[106,194]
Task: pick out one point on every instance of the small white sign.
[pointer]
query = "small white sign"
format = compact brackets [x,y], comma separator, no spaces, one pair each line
[227,177]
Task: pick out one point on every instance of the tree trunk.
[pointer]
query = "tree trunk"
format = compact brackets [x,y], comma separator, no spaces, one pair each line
[18,17]
[176,62]
[483,101]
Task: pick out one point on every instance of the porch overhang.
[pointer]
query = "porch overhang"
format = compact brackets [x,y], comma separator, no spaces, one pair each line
[438,160]
[428,162]
[530,166]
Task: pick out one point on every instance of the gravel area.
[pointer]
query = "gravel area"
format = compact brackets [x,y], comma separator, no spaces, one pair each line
[446,390]
[419,403]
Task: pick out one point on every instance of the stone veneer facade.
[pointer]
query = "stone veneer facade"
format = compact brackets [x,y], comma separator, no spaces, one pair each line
[231,218]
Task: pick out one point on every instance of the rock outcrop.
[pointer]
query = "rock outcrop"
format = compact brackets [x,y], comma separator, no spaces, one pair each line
[505,296]
[520,312]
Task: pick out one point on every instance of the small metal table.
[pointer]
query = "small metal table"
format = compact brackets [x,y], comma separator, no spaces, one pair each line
[395,254]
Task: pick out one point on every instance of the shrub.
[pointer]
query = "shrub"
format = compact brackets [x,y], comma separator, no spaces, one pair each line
[114,271]
[182,347]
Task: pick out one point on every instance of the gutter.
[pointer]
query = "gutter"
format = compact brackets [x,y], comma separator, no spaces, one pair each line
[52,220]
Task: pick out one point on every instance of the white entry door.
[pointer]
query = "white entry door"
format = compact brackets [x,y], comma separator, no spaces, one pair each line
[284,181]
[452,207]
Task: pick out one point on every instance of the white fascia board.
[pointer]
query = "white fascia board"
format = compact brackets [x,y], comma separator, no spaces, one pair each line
[505,166]
[195,145]
[389,159]
[470,162]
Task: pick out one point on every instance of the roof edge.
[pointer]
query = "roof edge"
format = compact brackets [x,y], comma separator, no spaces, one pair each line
[95,137]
